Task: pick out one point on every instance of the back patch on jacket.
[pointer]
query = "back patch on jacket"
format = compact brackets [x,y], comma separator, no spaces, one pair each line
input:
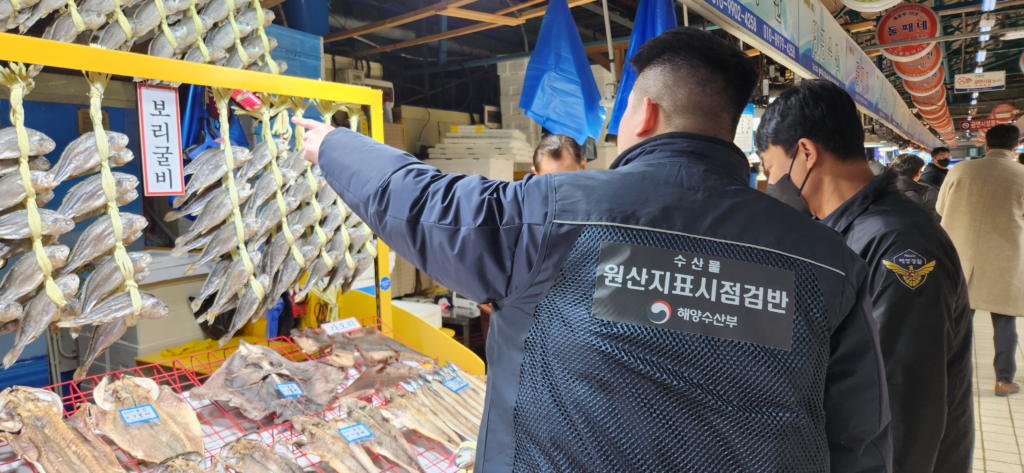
[694,293]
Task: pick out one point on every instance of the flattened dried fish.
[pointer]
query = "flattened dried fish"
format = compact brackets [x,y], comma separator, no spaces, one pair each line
[13,226]
[401,409]
[25,276]
[386,440]
[174,432]
[32,425]
[98,239]
[38,143]
[224,240]
[107,278]
[250,376]
[324,441]
[250,455]
[378,348]
[311,340]
[378,377]
[116,307]
[184,463]
[87,196]
[39,312]
[82,155]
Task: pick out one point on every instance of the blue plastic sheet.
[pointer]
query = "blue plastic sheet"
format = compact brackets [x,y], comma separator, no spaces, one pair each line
[653,18]
[559,90]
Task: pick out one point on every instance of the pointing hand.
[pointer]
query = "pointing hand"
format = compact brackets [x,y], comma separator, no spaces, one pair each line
[314,136]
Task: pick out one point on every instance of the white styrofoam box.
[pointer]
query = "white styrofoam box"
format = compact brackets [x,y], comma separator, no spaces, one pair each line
[510,105]
[485,148]
[518,157]
[511,85]
[430,313]
[513,67]
[491,168]
[524,124]
[606,154]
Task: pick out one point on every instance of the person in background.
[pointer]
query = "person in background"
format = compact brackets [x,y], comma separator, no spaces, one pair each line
[982,208]
[1020,158]
[908,170]
[557,153]
[591,274]
[876,167]
[935,172]
[811,139]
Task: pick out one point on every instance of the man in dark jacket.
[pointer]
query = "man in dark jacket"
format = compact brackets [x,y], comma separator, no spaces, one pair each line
[811,139]
[935,172]
[907,168]
[658,316]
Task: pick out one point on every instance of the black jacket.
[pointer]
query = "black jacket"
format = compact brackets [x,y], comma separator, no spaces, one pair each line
[923,194]
[570,391]
[933,175]
[924,325]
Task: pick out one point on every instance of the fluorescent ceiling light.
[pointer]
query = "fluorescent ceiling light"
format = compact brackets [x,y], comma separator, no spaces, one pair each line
[988,5]
[978,70]
[981,56]
[974,102]
[974,95]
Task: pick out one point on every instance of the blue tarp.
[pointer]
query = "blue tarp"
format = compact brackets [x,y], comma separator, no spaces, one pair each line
[653,18]
[559,90]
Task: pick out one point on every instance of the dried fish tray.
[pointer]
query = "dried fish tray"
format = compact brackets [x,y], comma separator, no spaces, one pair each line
[222,423]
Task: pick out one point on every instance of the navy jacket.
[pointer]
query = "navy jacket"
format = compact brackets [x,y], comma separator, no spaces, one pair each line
[934,175]
[924,325]
[570,392]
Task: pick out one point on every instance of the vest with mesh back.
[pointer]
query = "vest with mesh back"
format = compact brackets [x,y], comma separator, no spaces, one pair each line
[666,400]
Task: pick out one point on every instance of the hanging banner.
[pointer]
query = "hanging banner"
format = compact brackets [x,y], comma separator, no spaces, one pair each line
[822,43]
[907,23]
[980,82]
[159,119]
[981,124]
[860,76]
[1003,113]
[775,22]
[927,85]
[921,67]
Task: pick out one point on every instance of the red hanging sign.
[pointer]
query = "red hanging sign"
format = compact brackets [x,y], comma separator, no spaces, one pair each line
[921,67]
[907,23]
[930,101]
[934,113]
[1003,113]
[926,85]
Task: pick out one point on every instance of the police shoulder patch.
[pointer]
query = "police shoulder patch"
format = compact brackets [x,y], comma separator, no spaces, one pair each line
[910,268]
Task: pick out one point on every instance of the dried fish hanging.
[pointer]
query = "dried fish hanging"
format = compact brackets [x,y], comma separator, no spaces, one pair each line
[263,36]
[163,22]
[200,30]
[298,106]
[97,85]
[238,35]
[18,80]
[222,97]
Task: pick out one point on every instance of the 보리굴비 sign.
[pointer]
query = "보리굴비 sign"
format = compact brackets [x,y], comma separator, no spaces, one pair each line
[159,125]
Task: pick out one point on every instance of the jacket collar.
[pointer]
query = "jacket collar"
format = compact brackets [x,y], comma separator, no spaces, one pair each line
[705,150]
[1000,154]
[879,187]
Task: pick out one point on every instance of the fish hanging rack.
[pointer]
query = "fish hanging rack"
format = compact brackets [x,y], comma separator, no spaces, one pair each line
[222,423]
[30,50]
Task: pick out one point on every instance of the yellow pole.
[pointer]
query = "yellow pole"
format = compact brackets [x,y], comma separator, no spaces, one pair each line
[382,266]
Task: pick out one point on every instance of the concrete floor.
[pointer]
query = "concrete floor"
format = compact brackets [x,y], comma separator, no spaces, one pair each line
[999,421]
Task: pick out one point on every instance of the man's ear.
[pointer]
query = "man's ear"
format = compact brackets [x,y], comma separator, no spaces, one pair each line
[583,164]
[533,170]
[810,151]
[648,117]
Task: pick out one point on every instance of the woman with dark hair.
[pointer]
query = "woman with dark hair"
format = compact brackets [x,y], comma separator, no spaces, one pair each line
[908,171]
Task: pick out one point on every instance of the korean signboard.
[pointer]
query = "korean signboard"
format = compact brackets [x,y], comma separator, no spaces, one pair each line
[980,82]
[695,293]
[159,125]
[978,124]
[744,138]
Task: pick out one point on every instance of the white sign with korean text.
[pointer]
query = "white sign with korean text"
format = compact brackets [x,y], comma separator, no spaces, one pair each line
[980,82]
[344,325]
[139,414]
[289,389]
[159,126]
[744,138]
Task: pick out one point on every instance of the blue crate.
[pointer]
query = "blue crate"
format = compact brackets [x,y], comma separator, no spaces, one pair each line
[302,51]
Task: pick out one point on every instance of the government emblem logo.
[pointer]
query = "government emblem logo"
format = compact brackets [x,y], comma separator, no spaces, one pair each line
[910,268]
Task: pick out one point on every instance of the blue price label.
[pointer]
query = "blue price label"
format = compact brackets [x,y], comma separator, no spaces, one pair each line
[135,415]
[355,433]
[385,284]
[456,384]
[289,389]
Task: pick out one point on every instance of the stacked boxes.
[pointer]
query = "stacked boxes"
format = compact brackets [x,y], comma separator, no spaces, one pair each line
[479,150]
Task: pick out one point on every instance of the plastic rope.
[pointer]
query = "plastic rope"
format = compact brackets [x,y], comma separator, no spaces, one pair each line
[263,36]
[163,23]
[238,36]
[199,30]
[16,5]
[97,85]
[122,20]
[75,17]
[222,96]
[20,84]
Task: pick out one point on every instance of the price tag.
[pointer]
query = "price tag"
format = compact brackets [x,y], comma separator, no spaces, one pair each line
[456,384]
[135,415]
[355,433]
[346,325]
[289,389]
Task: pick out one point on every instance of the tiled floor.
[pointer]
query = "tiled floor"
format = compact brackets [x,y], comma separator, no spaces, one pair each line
[999,443]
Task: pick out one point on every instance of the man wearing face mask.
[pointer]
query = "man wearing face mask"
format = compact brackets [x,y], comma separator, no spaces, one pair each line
[935,172]
[812,142]
[681,321]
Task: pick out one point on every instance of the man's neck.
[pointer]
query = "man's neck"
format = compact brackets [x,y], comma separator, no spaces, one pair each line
[841,182]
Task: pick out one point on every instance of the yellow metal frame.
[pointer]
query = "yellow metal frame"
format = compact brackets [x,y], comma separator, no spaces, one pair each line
[31,50]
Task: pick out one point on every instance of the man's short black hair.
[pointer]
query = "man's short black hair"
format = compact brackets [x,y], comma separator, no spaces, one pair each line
[698,79]
[906,165]
[816,110]
[1002,137]
[940,149]
[557,147]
